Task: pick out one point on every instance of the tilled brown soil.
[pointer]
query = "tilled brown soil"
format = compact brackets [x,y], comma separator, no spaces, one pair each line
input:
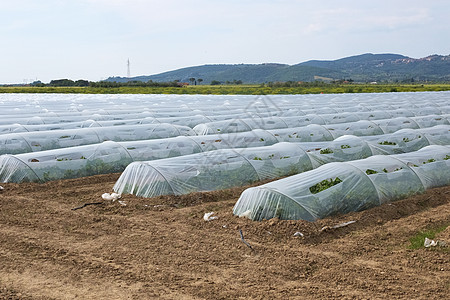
[161,248]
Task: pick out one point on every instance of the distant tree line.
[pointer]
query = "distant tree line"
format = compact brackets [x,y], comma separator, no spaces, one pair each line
[234,82]
[137,83]
[68,82]
[295,84]
[104,84]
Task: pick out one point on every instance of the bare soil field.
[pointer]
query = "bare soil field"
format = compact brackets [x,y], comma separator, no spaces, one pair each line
[162,248]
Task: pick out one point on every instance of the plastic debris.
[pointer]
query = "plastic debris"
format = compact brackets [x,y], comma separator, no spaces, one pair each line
[343,224]
[246,214]
[209,216]
[123,203]
[429,243]
[298,233]
[325,228]
[1,188]
[432,243]
[111,197]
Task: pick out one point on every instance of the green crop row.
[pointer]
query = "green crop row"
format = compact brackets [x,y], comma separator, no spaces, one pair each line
[235,89]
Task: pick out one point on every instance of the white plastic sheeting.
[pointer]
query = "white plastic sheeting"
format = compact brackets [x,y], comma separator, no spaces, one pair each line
[341,149]
[53,112]
[212,170]
[187,105]
[408,140]
[228,168]
[234,167]
[24,142]
[108,157]
[72,162]
[342,187]
[339,121]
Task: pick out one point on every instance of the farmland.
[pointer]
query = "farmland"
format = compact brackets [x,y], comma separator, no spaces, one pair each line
[307,88]
[162,248]
[188,155]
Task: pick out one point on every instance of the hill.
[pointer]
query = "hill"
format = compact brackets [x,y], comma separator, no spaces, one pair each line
[361,68]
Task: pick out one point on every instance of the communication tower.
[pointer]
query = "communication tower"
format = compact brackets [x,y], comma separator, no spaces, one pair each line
[128,68]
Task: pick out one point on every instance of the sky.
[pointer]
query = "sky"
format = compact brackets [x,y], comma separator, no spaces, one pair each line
[93,39]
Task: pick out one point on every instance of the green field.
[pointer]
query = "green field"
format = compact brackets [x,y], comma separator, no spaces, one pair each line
[237,89]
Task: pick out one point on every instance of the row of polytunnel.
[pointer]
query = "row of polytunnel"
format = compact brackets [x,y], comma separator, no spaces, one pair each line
[343,187]
[176,144]
[223,123]
[299,130]
[23,142]
[56,109]
[111,156]
[227,168]
[179,105]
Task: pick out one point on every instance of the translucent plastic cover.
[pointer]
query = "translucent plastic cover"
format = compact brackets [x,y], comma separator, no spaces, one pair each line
[338,188]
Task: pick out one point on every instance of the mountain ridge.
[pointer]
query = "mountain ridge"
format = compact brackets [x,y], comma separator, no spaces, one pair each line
[365,67]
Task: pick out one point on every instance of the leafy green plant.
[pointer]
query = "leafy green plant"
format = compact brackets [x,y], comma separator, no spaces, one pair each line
[326,151]
[370,171]
[429,161]
[386,171]
[324,184]
[345,146]
[387,143]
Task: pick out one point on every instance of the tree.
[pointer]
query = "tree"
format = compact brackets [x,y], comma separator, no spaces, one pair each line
[62,82]
[192,80]
[81,82]
[199,80]
[215,82]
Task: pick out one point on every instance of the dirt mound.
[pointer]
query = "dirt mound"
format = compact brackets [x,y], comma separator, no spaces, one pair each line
[444,236]
[162,248]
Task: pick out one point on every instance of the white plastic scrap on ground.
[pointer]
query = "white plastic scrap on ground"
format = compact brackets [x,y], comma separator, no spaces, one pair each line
[298,233]
[429,243]
[111,197]
[1,188]
[432,243]
[337,226]
[246,214]
[209,216]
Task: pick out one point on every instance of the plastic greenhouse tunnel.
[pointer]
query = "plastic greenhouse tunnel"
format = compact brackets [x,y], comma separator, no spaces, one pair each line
[212,170]
[342,187]
[227,168]
[339,120]
[217,169]
[24,142]
[72,162]
[108,157]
